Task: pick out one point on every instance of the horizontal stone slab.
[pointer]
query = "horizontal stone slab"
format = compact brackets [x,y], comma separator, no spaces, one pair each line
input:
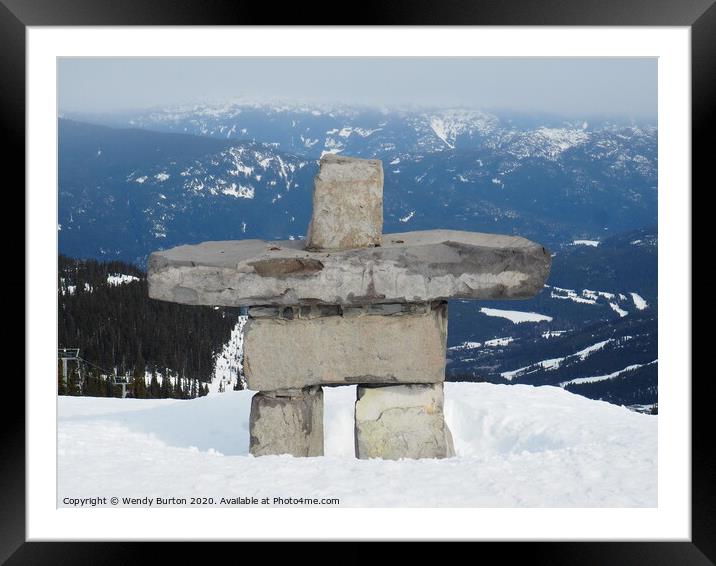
[408,267]
[402,421]
[340,350]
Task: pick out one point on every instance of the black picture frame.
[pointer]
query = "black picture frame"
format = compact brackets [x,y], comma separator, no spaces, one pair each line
[699,15]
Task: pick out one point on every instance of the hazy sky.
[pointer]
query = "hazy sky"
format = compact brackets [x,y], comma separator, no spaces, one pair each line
[571,87]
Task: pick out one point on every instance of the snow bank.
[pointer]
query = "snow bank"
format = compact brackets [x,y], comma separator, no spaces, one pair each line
[517,446]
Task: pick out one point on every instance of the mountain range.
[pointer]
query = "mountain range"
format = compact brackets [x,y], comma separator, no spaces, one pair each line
[133,183]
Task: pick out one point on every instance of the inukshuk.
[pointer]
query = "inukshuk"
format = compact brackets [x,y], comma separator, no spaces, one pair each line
[349,305]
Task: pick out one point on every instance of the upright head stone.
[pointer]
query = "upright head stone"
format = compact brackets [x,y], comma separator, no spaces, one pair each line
[347,204]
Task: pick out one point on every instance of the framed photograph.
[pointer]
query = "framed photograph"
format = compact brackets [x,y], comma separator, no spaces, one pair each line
[476,221]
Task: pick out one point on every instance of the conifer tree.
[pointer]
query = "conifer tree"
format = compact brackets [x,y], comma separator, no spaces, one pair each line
[154,389]
[61,386]
[119,327]
[138,386]
[73,382]
[166,389]
[109,387]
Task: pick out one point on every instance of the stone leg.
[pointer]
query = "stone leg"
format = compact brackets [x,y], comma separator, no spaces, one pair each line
[401,421]
[288,421]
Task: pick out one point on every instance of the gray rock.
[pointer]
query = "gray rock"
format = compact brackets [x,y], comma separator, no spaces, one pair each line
[402,421]
[408,267]
[287,422]
[319,311]
[264,312]
[347,204]
[336,350]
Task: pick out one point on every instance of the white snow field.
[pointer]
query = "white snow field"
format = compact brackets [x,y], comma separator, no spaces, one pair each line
[517,446]
[516,317]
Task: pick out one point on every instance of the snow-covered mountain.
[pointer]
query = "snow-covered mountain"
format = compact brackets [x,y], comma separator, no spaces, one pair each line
[457,169]
[593,329]
[385,133]
[585,188]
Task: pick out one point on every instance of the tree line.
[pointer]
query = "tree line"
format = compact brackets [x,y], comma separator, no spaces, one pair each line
[120,329]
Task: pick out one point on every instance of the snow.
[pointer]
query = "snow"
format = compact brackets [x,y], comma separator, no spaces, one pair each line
[407,217]
[309,142]
[441,130]
[639,301]
[238,191]
[227,363]
[115,279]
[489,343]
[466,346]
[554,141]
[571,295]
[592,243]
[517,446]
[516,317]
[499,341]
[621,312]
[161,177]
[554,363]
[346,131]
[583,354]
[551,333]
[641,408]
[596,378]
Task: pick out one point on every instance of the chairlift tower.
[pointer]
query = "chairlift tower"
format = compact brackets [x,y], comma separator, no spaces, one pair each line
[65,354]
